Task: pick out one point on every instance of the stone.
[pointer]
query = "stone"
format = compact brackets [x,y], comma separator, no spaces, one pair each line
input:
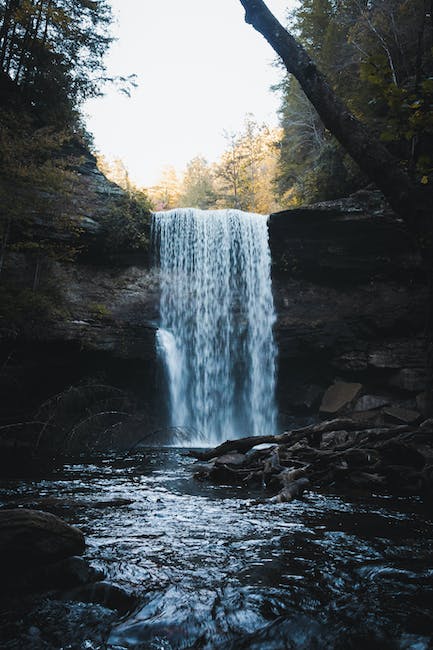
[427,425]
[402,415]
[424,402]
[70,572]
[33,537]
[369,402]
[338,396]
[410,379]
[104,593]
[398,354]
[305,397]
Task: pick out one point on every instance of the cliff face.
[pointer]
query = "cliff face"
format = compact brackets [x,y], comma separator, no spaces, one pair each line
[351,301]
[348,288]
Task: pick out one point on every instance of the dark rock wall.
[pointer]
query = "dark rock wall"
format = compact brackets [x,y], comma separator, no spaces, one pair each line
[351,301]
[349,292]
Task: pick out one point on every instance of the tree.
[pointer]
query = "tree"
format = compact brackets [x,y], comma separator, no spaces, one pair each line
[197,189]
[53,51]
[165,195]
[410,199]
[246,170]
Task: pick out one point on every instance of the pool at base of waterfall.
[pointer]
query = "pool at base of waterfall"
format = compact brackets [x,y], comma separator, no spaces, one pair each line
[211,570]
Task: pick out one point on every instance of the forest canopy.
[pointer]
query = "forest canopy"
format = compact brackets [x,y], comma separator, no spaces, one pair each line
[377,56]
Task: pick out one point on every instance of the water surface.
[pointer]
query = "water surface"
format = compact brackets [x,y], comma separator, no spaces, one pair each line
[211,570]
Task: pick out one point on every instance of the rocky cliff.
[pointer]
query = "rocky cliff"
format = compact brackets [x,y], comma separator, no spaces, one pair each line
[351,302]
[349,292]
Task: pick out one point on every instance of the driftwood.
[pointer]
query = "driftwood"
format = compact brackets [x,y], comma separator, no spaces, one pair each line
[245,444]
[337,453]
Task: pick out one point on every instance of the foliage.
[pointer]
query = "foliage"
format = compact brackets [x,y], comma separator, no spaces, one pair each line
[246,169]
[99,310]
[36,187]
[242,178]
[197,188]
[378,57]
[53,51]
[165,195]
[126,222]
[22,309]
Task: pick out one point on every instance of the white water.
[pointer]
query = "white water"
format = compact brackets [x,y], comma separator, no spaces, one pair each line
[217,313]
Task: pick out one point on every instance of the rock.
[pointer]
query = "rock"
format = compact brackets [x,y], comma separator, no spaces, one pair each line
[427,425]
[402,415]
[104,593]
[410,379]
[231,459]
[306,397]
[338,396]
[29,537]
[424,402]
[398,354]
[68,573]
[369,402]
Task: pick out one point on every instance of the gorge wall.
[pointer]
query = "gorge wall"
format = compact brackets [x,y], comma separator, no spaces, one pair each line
[351,302]
[349,293]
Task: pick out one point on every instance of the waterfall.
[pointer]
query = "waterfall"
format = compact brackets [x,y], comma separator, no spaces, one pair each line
[217,313]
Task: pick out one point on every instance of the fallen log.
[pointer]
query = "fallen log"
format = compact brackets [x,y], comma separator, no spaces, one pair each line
[389,458]
[242,445]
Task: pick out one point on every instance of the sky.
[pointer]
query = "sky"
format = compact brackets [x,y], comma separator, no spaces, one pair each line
[200,69]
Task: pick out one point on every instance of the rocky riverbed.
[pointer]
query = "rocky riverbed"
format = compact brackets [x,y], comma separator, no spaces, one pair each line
[214,566]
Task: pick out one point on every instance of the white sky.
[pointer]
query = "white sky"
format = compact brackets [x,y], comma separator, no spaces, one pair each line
[200,69]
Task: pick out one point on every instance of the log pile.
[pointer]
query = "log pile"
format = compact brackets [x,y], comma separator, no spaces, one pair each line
[340,454]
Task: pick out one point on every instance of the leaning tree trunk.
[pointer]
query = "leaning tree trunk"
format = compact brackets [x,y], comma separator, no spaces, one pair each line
[411,201]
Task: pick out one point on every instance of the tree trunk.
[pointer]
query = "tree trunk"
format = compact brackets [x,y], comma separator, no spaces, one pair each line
[37,273]
[412,202]
[4,243]
[34,36]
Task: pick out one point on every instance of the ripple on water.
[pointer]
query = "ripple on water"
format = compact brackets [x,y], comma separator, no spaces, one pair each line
[212,571]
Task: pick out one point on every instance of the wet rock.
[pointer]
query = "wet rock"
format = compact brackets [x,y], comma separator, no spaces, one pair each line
[305,398]
[410,379]
[68,573]
[338,396]
[427,425]
[402,415]
[29,537]
[398,354]
[424,403]
[104,593]
[110,503]
[369,402]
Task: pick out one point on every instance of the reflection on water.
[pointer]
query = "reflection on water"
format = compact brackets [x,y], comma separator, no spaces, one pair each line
[213,571]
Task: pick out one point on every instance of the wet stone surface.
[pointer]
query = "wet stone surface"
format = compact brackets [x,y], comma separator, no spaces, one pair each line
[207,569]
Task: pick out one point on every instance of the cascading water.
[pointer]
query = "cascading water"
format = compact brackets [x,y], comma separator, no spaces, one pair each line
[217,313]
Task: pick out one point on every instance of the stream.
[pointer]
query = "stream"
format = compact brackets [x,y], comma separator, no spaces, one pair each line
[212,570]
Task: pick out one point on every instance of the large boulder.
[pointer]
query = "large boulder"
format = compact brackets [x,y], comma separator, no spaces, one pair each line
[30,538]
[339,396]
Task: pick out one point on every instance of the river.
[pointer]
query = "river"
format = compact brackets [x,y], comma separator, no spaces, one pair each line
[212,570]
